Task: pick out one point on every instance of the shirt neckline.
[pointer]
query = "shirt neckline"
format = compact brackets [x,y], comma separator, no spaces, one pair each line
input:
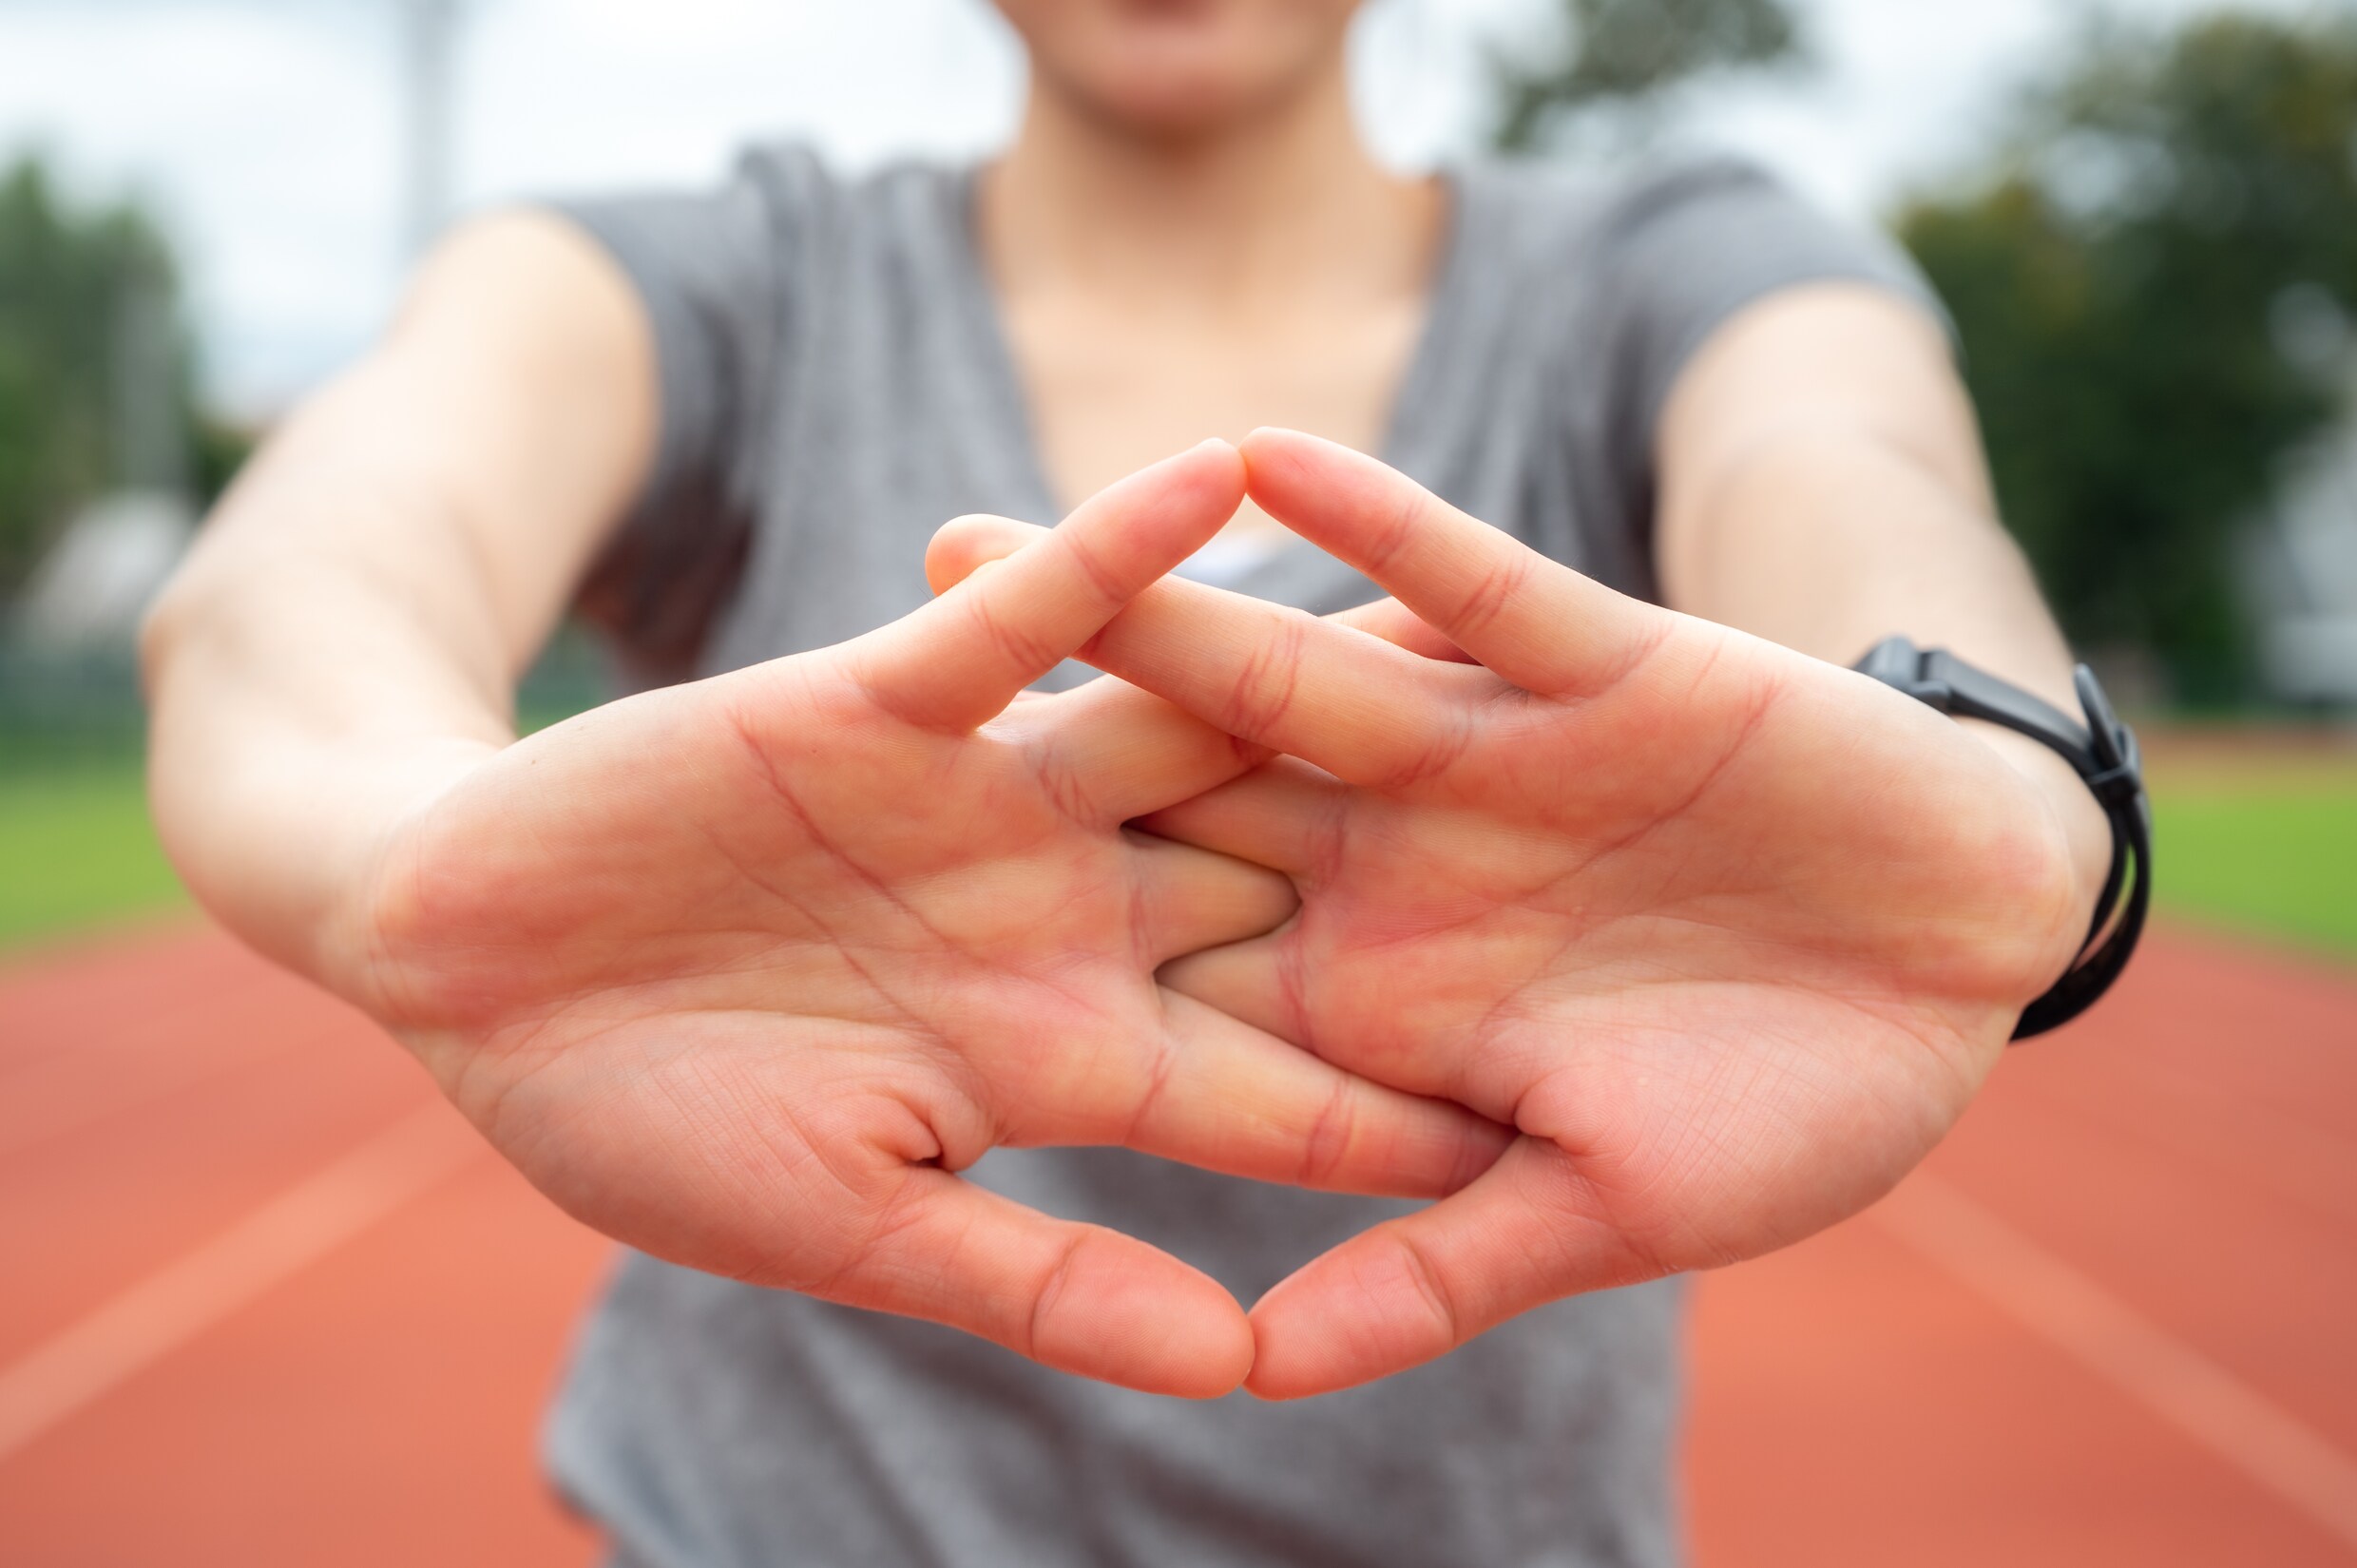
[1015,432]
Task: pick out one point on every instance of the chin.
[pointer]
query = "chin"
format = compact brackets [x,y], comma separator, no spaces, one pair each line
[1179,68]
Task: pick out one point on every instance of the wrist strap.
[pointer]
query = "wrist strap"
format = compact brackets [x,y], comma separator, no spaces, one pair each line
[2103,752]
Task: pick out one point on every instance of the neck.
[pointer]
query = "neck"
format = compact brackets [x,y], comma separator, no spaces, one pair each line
[1244,215]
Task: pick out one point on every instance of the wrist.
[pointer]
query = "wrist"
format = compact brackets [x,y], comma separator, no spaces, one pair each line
[2086,832]
[286,840]
[341,926]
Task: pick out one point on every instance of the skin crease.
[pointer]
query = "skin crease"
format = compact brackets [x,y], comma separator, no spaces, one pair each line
[716,1010]
[1729,935]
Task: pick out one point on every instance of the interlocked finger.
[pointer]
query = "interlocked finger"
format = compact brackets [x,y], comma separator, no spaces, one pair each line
[1190,899]
[1538,625]
[1126,749]
[1110,751]
[960,660]
[1284,814]
[1244,979]
[1403,628]
[965,544]
[1361,708]
[1214,1093]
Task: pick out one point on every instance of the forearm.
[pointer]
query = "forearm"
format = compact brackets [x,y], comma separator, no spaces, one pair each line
[325,660]
[1828,544]
[1843,516]
[343,642]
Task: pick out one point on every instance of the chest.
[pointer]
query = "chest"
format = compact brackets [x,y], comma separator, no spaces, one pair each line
[1110,389]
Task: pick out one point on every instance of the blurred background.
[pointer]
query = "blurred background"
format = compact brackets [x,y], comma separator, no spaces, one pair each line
[264,1303]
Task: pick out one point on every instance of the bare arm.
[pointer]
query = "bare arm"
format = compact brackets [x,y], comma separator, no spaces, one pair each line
[741,971]
[345,638]
[1822,487]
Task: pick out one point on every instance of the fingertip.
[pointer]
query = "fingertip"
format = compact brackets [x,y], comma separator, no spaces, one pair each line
[1222,1360]
[964,545]
[1269,439]
[1348,1318]
[1223,466]
[1283,1363]
[1262,450]
[1274,441]
[1285,469]
[1167,511]
[1129,1315]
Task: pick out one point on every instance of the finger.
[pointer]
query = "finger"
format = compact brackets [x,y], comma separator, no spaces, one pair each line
[960,660]
[1354,705]
[1109,752]
[1244,979]
[1216,1094]
[1403,628]
[1410,1290]
[1129,749]
[1276,678]
[1284,814]
[1538,625]
[1080,1298]
[965,544]
[1191,899]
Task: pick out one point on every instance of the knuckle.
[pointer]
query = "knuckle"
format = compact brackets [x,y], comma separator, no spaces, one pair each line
[1051,1290]
[1333,1132]
[1264,690]
[1432,1283]
[1104,583]
[1401,525]
[1021,648]
[1500,583]
[1161,1068]
[1446,737]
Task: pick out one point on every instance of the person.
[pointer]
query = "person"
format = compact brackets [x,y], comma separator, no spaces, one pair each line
[1578,885]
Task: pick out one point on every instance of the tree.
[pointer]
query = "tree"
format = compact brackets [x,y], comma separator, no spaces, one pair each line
[1615,57]
[70,282]
[2151,284]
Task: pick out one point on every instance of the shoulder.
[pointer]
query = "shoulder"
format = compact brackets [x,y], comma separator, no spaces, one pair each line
[777,196]
[1686,239]
[807,194]
[1540,213]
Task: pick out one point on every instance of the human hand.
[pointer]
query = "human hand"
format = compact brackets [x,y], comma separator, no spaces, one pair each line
[1727,934]
[743,973]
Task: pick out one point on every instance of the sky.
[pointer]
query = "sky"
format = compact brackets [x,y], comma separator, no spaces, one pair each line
[267,131]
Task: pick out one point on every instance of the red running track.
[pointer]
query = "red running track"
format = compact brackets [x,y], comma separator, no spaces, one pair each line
[268,1303]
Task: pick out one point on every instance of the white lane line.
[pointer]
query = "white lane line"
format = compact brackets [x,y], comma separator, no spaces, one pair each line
[2170,1378]
[109,1345]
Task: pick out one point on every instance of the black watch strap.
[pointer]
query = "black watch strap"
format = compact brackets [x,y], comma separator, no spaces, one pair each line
[2102,751]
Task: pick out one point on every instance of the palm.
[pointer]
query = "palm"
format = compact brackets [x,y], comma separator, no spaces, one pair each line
[743,973]
[1730,1036]
[1729,935]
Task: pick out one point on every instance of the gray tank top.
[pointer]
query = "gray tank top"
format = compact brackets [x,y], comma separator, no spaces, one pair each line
[834,386]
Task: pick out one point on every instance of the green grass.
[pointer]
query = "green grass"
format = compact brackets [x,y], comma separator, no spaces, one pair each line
[2274,858]
[76,851]
[2270,854]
